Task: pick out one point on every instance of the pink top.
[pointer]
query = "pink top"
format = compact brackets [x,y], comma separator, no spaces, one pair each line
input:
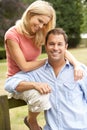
[30,51]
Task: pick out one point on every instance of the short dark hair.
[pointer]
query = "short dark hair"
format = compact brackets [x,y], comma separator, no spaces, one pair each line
[56,31]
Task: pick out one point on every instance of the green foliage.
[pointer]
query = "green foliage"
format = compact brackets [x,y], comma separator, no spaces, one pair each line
[28,1]
[10,11]
[2,54]
[69,17]
[84,25]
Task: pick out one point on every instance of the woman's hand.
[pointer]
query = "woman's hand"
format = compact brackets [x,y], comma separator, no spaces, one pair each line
[78,72]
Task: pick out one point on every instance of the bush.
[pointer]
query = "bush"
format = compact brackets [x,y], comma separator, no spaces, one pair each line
[73,42]
[2,53]
[10,11]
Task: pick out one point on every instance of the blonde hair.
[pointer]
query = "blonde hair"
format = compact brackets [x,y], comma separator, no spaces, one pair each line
[38,7]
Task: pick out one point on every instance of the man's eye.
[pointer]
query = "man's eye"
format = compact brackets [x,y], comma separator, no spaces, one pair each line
[51,43]
[60,44]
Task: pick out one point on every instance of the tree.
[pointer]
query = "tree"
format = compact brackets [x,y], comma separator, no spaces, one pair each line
[10,11]
[84,25]
[69,17]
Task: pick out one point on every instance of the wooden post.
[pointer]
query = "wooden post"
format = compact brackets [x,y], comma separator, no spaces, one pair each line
[4,113]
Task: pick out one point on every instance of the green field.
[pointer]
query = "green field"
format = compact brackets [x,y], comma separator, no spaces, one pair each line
[17,115]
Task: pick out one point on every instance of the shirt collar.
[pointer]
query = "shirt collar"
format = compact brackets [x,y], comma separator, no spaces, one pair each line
[47,65]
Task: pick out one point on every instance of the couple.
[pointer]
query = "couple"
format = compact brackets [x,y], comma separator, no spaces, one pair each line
[63,98]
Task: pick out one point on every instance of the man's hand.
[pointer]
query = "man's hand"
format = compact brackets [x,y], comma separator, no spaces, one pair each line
[43,88]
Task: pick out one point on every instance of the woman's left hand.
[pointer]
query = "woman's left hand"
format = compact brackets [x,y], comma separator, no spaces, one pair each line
[78,72]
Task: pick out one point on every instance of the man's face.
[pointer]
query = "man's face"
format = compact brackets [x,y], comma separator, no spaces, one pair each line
[56,47]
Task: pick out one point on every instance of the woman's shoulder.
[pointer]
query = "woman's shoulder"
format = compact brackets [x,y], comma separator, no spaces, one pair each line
[11,30]
[12,33]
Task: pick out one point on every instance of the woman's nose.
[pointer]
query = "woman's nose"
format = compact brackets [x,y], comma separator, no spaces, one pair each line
[41,25]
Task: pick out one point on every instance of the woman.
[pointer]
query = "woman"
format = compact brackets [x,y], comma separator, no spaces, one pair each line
[23,43]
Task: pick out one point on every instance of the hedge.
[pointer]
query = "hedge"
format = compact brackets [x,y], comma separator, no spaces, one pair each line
[2,54]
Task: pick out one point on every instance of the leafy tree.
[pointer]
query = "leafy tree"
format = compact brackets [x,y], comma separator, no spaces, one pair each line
[84,25]
[10,11]
[69,17]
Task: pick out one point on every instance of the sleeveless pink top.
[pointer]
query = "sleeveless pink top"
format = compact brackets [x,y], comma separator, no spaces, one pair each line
[30,51]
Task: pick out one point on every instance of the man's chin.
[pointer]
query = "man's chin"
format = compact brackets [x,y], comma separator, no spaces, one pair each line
[54,60]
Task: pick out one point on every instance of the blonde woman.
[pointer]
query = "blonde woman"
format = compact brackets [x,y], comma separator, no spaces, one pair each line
[23,43]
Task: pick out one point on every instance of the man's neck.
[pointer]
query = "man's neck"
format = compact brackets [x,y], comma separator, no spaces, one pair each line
[57,66]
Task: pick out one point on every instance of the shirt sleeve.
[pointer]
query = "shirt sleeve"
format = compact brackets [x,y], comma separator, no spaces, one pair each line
[83,82]
[12,82]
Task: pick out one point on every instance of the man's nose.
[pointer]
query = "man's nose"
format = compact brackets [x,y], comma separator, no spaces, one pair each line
[55,47]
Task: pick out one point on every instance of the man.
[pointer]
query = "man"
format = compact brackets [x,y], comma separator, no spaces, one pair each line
[68,97]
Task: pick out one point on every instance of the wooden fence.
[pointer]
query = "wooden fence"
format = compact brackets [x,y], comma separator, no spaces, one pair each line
[6,104]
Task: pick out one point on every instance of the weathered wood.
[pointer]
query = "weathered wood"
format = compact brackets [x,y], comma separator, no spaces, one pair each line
[4,113]
[5,105]
[15,103]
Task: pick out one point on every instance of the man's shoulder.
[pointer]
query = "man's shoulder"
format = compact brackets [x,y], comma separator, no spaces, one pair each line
[83,66]
[40,69]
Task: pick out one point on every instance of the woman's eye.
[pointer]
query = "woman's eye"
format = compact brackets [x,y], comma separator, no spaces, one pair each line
[40,21]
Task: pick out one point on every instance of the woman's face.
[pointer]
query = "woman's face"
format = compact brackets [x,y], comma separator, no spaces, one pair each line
[37,22]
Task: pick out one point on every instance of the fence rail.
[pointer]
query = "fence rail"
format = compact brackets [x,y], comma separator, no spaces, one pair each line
[6,104]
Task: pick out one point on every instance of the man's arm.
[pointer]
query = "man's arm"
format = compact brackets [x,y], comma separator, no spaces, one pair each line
[43,88]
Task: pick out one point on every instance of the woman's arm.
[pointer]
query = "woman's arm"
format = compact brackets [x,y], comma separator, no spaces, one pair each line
[18,56]
[78,72]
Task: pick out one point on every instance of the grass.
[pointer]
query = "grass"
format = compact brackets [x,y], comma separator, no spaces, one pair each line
[17,114]
[80,54]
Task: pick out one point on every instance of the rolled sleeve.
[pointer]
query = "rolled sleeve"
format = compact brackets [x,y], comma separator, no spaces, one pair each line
[12,82]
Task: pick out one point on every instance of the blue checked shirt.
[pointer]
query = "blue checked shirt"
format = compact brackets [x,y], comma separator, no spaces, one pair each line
[68,97]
